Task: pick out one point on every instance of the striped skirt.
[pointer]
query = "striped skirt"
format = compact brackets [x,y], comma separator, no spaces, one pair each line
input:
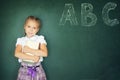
[31,73]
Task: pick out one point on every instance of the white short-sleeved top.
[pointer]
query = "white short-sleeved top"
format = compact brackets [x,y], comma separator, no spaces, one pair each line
[36,38]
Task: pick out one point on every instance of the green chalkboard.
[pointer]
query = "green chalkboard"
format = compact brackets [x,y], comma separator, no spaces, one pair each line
[83,37]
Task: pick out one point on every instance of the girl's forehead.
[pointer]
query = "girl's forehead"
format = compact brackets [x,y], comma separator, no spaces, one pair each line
[30,22]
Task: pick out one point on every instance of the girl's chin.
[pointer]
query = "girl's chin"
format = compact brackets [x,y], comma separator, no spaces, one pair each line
[30,36]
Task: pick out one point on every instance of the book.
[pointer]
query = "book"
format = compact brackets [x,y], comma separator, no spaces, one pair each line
[32,44]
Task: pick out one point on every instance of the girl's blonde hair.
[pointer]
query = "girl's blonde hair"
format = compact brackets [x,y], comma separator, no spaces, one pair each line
[35,19]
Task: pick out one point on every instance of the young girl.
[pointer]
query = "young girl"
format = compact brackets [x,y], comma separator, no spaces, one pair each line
[31,70]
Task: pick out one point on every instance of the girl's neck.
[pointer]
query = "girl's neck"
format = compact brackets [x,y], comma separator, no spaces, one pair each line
[30,36]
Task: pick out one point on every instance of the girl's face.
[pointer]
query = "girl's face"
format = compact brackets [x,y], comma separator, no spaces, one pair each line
[31,28]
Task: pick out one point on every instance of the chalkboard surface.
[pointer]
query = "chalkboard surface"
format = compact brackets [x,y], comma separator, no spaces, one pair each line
[83,37]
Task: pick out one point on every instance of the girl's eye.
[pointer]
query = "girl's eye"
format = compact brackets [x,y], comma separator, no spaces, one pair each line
[34,28]
[28,26]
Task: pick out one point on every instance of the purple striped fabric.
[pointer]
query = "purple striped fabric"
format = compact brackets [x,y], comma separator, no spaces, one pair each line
[23,73]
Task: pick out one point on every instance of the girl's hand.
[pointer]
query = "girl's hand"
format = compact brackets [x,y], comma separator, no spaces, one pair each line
[36,58]
[26,49]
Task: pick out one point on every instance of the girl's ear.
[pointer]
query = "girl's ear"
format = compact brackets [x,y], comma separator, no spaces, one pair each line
[38,30]
[24,26]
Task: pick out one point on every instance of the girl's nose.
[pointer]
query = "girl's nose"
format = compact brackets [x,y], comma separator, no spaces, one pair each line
[31,29]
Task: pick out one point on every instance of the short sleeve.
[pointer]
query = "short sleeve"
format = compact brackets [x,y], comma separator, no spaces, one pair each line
[19,41]
[42,40]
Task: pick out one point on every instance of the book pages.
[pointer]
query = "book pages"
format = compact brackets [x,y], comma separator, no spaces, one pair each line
[32,44]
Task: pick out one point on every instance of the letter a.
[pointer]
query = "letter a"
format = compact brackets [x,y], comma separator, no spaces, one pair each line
[68,15]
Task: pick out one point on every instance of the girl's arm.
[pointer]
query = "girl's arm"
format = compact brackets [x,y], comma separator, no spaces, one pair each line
[19,54]
[42,51]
